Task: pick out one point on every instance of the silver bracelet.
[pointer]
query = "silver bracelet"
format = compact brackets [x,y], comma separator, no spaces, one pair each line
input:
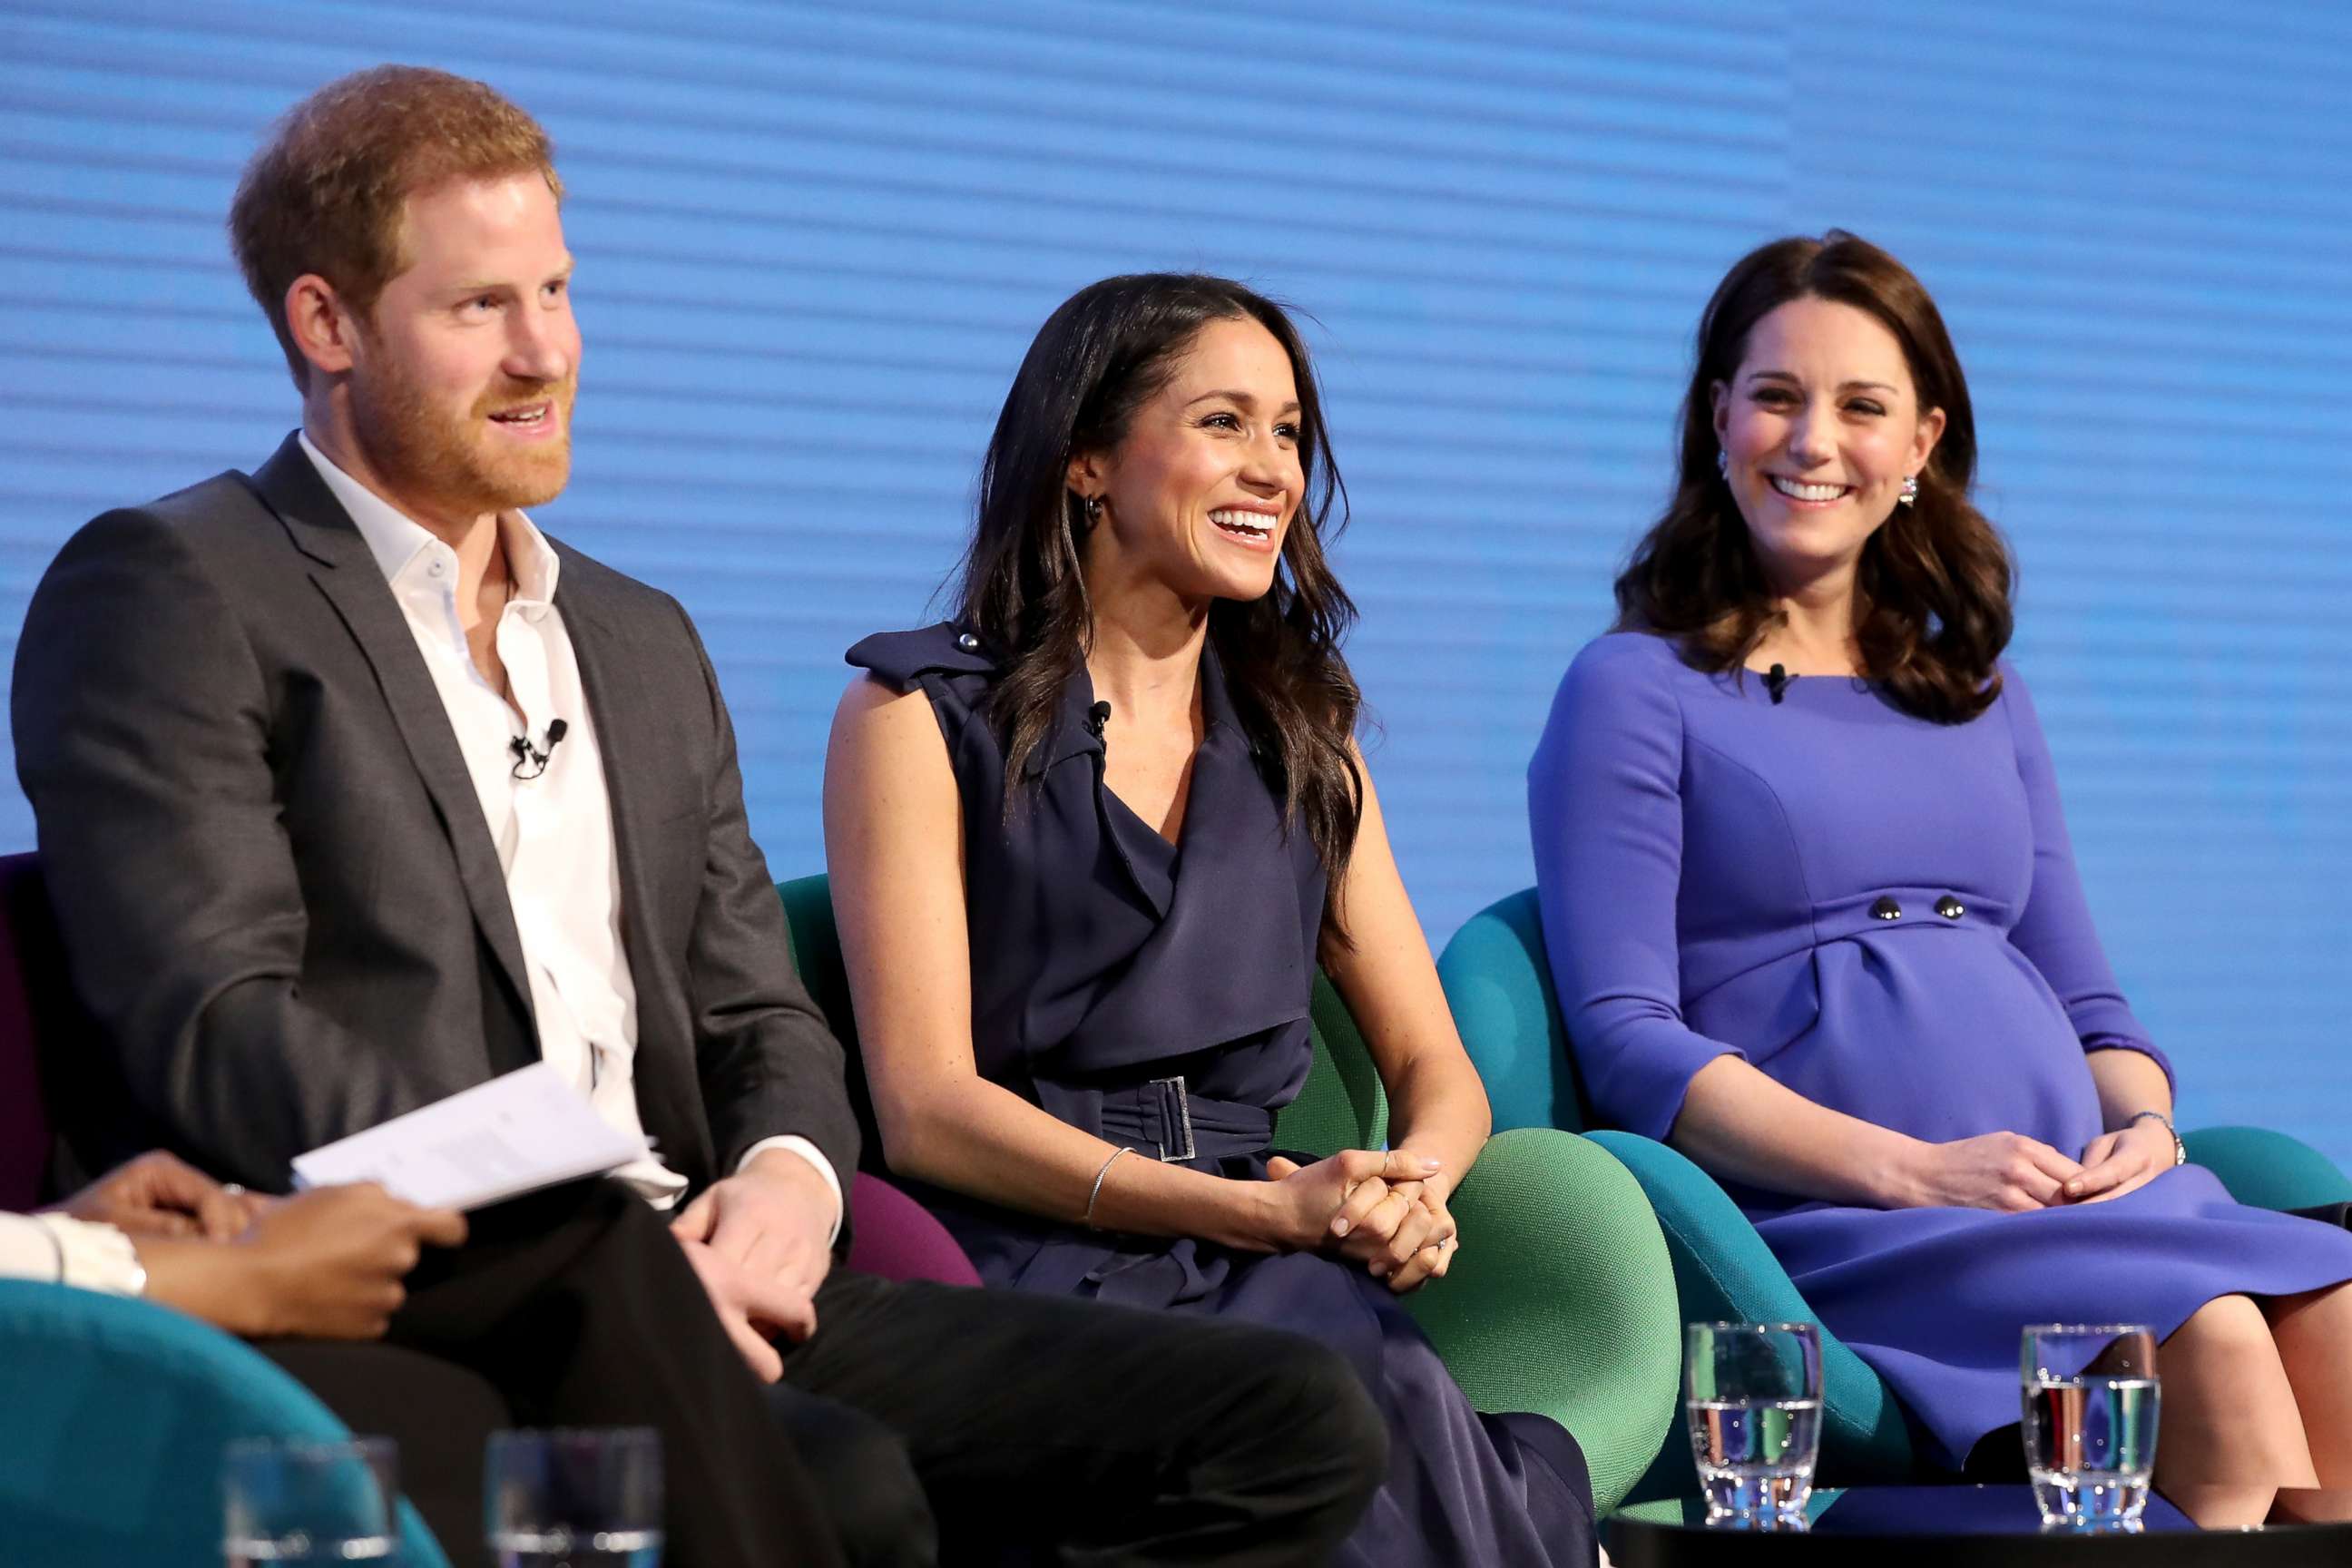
[1096,1194]
[2179,1148]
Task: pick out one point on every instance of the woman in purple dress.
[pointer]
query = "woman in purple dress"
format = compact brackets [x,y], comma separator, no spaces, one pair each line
[1088,842]
[1814,919]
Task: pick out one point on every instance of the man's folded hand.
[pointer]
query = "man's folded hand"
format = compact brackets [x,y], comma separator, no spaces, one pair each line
[761,1241]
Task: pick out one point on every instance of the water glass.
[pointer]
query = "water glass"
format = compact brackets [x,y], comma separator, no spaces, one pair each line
[574,1498]
[1753,1393]
[2090,1396]
[310,1503]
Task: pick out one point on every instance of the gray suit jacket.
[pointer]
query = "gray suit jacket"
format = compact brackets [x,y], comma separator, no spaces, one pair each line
[278,895]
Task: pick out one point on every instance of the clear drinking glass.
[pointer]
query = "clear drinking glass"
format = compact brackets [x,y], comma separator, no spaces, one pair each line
[310,1503]
[1753,1392]
[574,1498]
[2090,1396]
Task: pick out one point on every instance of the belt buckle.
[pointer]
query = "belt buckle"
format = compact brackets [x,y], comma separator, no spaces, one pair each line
[1183,1119]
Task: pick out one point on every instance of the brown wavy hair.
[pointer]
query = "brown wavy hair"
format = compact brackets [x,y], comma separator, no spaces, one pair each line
[1932,590]
[1099,357]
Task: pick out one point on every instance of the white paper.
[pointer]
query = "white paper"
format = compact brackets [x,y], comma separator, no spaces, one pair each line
[495,1141]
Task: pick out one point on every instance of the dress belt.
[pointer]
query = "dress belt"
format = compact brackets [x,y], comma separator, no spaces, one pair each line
[1165,1120]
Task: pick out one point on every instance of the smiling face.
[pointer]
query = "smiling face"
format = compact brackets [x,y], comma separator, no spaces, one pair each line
[462,376]
[1819,424]
[1201,492]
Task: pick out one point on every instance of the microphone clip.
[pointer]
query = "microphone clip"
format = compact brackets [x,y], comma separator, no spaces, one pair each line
[1776,681]
[530,760]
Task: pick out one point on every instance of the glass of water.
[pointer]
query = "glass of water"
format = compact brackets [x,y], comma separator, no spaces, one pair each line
[2091,1396]
[574,1498]
[1753,1392]
[310,1503]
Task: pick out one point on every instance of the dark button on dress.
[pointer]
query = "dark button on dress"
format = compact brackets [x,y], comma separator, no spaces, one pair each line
[1106,963]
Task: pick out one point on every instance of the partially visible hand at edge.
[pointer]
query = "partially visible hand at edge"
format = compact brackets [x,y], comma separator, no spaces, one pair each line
[159,1193]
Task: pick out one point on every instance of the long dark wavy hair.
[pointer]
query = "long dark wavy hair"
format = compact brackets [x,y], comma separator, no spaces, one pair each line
[1932,590]
[1105,353]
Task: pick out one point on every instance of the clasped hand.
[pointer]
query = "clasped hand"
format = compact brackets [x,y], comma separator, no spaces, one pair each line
[762,1242]
[2010,1171]
[1386,1210]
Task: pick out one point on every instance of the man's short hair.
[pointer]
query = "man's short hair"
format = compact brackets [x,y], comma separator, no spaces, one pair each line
[325,192]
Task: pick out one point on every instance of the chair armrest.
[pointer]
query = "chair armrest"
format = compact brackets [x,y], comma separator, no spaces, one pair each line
[1724,1272]
[1497,981]
[116,1414]
[894,1236]
[1556,1302]
[2267,1169]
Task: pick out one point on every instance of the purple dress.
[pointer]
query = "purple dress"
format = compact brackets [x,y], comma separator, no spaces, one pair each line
[1157,997]
[1720,874]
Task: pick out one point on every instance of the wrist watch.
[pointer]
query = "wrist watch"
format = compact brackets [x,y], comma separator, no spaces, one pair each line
[2179,1150]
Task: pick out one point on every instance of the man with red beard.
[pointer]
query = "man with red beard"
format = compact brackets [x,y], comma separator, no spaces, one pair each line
[355,790]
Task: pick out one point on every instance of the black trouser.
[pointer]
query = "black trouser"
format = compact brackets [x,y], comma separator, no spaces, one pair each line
[1089,1433]
[1072,1431]
[574,1307]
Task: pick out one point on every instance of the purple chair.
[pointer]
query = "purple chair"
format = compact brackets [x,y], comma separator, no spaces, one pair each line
[33,991]
[893,1235]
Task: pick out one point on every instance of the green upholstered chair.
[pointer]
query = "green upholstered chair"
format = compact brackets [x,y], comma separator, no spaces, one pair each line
[1557,1301]
[1499,982]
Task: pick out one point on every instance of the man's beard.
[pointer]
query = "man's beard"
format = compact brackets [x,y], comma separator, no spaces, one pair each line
[453,464]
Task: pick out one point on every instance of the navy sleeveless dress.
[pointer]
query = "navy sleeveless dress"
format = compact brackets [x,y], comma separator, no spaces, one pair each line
[1157,995]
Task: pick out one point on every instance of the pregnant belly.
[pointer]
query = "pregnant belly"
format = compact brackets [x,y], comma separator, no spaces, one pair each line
[1938,1034]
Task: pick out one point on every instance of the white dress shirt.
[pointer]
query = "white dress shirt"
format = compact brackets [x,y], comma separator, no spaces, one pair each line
[553,831]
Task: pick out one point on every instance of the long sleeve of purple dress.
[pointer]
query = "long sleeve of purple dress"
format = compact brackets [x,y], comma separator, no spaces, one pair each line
[2055,930]
[1882,914]
[1605,802]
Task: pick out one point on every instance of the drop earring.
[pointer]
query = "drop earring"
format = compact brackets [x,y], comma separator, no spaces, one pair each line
[1093,510]
[1909,495]
[1723,462]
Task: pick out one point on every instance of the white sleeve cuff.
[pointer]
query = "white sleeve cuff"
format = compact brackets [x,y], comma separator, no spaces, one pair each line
[71,1252]
[806,1150]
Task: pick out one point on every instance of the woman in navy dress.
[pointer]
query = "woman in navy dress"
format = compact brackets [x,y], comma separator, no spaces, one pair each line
[1088,840]
[1814,919]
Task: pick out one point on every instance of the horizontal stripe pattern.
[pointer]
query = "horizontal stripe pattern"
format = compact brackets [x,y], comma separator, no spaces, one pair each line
[816,240]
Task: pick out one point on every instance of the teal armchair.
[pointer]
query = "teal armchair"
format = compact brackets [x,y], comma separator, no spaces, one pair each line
[1557,1302]
[1499,982]
[116,1415]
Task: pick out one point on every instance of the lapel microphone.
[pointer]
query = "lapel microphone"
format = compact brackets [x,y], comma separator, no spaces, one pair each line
[1097,716]
[1776,681]
[534,758]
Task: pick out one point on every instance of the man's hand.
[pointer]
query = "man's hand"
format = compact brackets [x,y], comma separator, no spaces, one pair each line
[761,1241]
[161,1195]
[2119,1163]
[751,1307]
